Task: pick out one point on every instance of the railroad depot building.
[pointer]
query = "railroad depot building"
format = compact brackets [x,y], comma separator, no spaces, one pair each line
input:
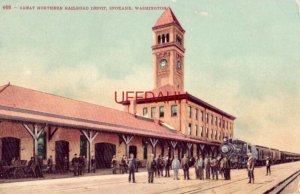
[37,123]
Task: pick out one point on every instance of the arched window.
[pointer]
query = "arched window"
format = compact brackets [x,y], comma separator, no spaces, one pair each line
[167,37]
[158,39]
[163,38]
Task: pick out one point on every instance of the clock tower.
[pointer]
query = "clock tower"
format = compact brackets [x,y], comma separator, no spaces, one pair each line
[168,51]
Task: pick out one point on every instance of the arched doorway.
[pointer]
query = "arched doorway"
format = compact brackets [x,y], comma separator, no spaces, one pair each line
[61,150]
[133,150]
[10,149]
[103,154]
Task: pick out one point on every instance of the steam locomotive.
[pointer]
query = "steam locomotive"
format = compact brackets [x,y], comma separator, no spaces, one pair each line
[237,151]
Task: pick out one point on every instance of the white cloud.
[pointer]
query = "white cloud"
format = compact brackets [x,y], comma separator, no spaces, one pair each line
[204,13]
[201,13]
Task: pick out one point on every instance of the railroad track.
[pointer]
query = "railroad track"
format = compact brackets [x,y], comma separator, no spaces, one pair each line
[197,188]
[282,185]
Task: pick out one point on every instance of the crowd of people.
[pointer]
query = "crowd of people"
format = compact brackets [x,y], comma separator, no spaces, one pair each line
[205,168]
[208,168]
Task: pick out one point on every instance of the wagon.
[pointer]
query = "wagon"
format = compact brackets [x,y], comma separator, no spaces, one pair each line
[14,171]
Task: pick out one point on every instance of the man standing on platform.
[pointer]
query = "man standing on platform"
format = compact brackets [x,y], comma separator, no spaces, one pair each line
[131,168]
[66,164]
[39,167]
[196,168]
[167,166]
[226,167]
[176,166]
[80,165]
[214,168]
[114,164]
[93,164]
[50,164]
[250,168]
[151,165]
[185,167]
[207,167]
[75,164]
[200,164]
[268,166]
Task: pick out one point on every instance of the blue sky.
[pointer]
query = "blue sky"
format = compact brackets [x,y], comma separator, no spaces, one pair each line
[241,56]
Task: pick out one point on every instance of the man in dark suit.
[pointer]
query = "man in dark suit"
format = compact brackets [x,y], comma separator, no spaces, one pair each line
[75,164]
[151,164]
[131,167]
[185,167]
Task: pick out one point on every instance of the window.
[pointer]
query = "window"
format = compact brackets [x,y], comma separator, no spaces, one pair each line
[83,145]
[189,129]
[159,39]
[145,111]
[161,111]
[216,135]
[163,38]
[145,151]
[207,131]
[201,131]
[174,110]
[220,122]
[216,121]
[178,40]
[207,119]
[167,38]
[223,124]
[153,109]
[211,134]
[42,149]
[196,130]
[190,111]
[212,119]
[202,116]
[196,114]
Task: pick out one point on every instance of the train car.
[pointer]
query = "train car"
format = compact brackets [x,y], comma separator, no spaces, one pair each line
[275,156]
[264,152]
[289,156]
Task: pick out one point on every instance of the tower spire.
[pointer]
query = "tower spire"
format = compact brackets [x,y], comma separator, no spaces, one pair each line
[167,18]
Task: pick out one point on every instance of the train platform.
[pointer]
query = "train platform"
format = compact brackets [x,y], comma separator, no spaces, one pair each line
[118,184]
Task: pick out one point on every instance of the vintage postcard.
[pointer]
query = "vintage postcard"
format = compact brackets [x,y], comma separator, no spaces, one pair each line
[149,96]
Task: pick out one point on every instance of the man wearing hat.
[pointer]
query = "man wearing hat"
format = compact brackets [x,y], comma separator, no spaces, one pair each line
[151,165]
[250,167]
[75,163]
[268,166]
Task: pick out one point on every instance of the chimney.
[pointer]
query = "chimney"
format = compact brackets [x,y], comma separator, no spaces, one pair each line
[132,106]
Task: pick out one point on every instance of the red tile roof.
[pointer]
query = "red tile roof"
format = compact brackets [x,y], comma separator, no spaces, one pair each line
[168,17]
[22,104]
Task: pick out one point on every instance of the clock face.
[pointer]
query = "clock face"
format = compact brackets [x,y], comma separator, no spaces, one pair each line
[163,63]
[178,65]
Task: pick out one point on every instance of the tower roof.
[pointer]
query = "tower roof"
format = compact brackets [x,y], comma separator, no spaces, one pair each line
[167,18]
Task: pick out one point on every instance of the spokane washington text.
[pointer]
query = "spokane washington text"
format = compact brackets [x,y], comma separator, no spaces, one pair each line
[95,8]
